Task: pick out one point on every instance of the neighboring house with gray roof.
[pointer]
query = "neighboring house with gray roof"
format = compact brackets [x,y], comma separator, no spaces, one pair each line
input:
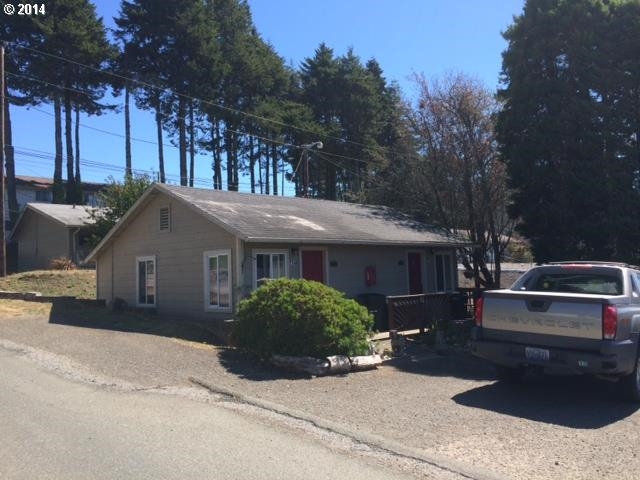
[45,231]
[197,252]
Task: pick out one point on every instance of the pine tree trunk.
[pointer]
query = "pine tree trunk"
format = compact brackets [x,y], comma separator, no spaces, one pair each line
[252,164]
[160,144]
[127,132]
[10,165]
[274,168]
[71,183]
[267,177]
[232,160]
[217,160]
[182,142]
[77,179]
[192,145]
[215,150]
[58,186]
[260,170]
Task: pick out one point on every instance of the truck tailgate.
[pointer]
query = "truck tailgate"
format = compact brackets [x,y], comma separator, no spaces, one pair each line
[578,316]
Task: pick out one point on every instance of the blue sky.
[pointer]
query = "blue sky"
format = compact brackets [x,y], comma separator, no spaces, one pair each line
[405,36]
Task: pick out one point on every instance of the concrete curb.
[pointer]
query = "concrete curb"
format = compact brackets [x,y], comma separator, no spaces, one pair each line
[375,441]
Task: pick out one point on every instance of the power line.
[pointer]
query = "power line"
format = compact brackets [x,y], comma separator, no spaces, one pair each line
[251,134]
[189,97]
[107,167]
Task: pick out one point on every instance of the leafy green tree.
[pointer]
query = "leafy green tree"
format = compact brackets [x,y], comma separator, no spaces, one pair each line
[116,199]
[568,127]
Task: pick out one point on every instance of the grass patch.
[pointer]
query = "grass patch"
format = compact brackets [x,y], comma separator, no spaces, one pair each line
[55,283]
[10,309]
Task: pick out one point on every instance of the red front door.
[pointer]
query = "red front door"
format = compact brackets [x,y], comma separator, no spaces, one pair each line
[313,265]
[415,273]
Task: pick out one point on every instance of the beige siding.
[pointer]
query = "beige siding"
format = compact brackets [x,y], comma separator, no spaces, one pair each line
[347,266]
[104,276]
[180,270]
[179,259]
[40,240]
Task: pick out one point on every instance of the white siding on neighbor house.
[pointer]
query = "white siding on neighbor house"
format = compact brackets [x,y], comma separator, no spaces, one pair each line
[179,259]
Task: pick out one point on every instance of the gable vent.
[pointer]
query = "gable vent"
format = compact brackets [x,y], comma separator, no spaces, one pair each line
[165,219]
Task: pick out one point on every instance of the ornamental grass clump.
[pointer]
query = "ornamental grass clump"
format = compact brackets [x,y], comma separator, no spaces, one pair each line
[301,318]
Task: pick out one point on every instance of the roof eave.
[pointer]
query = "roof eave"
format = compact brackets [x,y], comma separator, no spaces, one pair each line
[342,241]
[111,233]
[158,187]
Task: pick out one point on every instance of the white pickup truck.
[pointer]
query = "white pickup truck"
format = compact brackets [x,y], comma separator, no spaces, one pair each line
[569,317]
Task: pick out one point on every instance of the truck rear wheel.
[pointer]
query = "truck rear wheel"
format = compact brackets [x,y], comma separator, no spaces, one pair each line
[509,374]
[631,383]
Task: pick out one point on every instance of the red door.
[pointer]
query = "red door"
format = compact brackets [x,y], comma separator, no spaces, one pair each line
[313,265]
[415,273]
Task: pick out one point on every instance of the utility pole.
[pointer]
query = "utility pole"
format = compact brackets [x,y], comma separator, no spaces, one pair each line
[3,241]
[305,156]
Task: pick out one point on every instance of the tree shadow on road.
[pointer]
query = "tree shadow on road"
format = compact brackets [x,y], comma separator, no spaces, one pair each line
[87,315]
[571,401]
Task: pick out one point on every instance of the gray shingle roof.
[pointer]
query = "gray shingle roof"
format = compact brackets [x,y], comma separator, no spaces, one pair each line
[284,219]
[67,215]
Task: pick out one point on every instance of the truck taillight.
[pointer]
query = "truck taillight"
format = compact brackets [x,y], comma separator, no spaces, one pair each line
[478,312]
[609,322]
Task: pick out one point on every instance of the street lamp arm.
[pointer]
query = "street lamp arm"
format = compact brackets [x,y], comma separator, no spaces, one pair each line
[317,145]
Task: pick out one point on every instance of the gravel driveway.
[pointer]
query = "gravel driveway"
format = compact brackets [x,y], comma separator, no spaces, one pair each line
[442,405]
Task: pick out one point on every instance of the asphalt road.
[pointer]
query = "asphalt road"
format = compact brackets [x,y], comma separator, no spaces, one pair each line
[447,412]
[54,428]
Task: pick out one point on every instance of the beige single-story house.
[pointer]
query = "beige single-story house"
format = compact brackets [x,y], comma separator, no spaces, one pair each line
[45,231]
[197,252]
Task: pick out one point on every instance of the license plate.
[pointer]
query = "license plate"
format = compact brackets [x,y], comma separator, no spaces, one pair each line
[537,354]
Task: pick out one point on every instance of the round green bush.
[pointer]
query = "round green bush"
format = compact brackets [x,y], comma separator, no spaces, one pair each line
[301,318]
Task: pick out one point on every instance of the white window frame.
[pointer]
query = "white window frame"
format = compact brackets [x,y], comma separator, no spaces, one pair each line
[254,255]
[155,281]
[452,272]
[207,282]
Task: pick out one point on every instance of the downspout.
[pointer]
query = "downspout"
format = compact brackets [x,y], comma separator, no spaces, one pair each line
[112,277]
[239,273]
[74,246]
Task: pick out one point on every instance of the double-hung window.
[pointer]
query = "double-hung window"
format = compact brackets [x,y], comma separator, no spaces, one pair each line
[217,279]
[444,272]
[146,281]
[269,264]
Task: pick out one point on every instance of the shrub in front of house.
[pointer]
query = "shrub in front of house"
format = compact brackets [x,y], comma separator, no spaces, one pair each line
[62,263]
[301,318]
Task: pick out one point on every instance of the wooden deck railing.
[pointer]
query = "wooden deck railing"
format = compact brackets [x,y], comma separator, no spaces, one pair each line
[409,312]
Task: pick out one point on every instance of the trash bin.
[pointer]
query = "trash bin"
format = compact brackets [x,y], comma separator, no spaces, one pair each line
[458,302]
[376,303]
